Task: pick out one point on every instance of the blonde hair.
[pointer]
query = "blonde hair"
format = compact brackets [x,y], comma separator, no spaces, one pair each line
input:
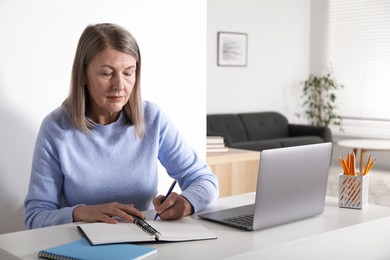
[94,40]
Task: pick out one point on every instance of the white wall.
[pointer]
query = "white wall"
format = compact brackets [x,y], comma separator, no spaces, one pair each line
[318,37]
[278,56]
[319,63]
[37,44]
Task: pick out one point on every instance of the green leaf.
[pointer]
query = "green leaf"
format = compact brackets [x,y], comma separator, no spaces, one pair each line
[319,99]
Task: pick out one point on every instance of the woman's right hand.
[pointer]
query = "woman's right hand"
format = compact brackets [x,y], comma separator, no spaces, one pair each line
[106,213]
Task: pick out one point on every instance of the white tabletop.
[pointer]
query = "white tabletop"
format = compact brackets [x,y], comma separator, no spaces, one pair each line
[231,241]
[368,240]
[366,144]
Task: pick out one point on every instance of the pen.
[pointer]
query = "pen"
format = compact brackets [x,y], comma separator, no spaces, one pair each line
[166,196]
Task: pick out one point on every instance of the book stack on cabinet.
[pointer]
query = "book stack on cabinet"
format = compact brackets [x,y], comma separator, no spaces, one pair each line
[216,144]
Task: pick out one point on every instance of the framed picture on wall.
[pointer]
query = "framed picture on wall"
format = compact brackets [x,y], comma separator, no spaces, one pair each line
[232,49]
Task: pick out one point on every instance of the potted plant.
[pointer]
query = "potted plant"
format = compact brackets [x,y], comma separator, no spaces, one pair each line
[319,100]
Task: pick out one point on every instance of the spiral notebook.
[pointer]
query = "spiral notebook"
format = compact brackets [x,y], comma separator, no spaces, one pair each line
[185,229]
[81,249]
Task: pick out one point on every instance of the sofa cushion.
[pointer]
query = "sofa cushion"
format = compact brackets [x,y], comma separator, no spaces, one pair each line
[265,125]
[302,140]
[310,130]
[257,145]
[226,124]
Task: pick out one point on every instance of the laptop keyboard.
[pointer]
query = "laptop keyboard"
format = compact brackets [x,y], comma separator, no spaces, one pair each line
[244,220]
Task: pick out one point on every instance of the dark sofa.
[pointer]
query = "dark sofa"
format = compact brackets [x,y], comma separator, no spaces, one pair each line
[263,130]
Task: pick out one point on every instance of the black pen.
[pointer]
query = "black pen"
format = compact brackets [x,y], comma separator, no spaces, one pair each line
[166,196]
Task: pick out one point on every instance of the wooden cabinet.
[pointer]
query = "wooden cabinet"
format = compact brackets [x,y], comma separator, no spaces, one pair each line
[236,170]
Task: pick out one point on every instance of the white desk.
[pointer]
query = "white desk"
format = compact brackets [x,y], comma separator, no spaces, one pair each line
[364,241]
[231,242]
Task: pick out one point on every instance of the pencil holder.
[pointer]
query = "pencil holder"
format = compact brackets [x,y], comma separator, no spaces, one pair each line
[353,191]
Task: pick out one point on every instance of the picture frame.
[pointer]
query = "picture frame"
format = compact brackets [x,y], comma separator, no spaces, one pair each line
[232,49]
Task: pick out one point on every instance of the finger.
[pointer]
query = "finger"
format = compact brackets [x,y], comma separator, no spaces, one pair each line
[168,202]
[107,219]
[118,210]
[157,201]
[127,212]
[120,213]
[96,214]
[130,209]
[180,209]
[172,213]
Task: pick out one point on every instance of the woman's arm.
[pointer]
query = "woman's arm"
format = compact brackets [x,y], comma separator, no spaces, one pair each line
[199,185]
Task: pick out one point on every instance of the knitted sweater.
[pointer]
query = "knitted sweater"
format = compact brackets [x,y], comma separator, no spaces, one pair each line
[111,164]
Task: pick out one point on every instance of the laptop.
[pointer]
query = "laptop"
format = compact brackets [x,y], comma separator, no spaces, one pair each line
[291,185]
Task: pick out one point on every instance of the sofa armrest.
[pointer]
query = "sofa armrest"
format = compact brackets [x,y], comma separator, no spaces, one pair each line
[304,130]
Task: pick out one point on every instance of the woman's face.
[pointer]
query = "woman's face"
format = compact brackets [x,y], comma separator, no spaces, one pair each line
[110,78]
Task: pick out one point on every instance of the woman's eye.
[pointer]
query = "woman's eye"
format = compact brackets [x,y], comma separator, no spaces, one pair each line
[106,74]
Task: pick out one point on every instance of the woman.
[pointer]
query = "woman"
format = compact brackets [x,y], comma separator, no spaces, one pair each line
[96,156]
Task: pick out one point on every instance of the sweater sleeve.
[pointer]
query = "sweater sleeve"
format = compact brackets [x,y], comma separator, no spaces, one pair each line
[43,200]
[197,182]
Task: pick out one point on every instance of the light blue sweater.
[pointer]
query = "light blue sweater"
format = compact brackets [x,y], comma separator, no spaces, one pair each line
[111,164]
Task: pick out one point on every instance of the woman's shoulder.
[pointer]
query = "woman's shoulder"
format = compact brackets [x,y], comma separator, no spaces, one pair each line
[57,120]
[154,115]
[150,107]
[151,110]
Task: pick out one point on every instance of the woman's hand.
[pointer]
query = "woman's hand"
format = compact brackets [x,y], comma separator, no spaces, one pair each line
[106,213]
[175,206]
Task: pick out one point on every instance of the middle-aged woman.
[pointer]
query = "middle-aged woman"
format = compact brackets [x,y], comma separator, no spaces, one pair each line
[96,156]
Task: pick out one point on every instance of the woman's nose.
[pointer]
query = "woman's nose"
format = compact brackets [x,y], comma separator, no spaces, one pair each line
[117,83]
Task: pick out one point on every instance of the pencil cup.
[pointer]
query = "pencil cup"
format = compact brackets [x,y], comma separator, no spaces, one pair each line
[353,191]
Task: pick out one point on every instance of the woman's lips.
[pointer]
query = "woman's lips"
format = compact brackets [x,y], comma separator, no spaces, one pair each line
[115,98]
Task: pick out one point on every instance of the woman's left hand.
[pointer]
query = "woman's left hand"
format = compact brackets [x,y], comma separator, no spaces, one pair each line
[173,207]
[106,213]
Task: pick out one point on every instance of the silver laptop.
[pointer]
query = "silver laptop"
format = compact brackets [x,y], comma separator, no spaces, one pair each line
[291,185]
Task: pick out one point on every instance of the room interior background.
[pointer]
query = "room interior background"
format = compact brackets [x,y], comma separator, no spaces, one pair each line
[278,56]
[38,40]
[177,38]
[287,40]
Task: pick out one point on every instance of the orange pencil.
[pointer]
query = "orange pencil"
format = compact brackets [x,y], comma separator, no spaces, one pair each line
[346,167]
[348,162]
[372,164]
[367,165]
[343,165]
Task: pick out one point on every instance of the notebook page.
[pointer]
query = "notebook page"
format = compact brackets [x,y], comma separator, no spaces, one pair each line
[104,233]
[181,230]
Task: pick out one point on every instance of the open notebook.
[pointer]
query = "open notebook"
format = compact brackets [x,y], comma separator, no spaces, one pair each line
[185,229]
